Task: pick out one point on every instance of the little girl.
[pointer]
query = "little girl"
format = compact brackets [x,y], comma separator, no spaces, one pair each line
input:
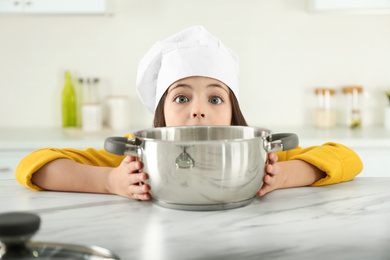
[190,78]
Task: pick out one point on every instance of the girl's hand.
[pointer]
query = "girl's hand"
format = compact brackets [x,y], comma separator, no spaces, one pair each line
[273,176]
[127,181]
[288,174]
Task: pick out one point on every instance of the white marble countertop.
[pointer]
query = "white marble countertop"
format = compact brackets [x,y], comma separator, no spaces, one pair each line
[343,221]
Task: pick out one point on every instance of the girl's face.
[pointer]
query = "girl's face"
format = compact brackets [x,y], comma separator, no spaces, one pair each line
[197,101]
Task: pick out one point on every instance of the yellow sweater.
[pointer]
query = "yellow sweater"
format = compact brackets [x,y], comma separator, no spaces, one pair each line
[338,161]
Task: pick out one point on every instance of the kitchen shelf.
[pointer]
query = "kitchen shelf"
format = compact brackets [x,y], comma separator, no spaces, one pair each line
[349,6]
[54,7]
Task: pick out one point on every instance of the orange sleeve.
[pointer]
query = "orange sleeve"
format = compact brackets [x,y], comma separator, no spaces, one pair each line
[338,161]
[37,159]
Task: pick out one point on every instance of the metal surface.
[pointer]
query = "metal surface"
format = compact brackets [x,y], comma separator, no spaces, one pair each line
[203,167]
[205,207]
[16,228]
[45,250]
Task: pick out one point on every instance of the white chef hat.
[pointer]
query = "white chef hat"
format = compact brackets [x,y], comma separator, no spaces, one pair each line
[191,52]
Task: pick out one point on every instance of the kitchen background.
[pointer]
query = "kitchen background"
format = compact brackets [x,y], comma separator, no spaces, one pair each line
[285,52]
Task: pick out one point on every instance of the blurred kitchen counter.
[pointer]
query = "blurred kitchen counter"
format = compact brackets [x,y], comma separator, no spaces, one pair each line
[370,137]
[371,144]
[36,138]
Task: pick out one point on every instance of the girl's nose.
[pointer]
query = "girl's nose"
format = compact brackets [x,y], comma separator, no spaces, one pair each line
[200,115]
[197,110]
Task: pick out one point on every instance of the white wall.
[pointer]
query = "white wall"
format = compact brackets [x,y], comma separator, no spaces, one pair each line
[284,52]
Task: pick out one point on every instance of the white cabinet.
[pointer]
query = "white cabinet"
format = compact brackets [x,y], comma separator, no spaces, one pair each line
[350,6]
[376,161]
[54,6]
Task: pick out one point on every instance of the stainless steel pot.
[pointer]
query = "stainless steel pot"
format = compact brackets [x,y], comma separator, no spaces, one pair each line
[203,167]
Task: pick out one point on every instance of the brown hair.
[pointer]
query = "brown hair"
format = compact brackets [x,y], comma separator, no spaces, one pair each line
[237,116]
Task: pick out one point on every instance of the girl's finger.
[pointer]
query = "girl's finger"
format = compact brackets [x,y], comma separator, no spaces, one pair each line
[272,158]
[264,190]
[268,179]
[138,189]
[134,167]
[145,196]
[129,159]
[269,169]
[137,178]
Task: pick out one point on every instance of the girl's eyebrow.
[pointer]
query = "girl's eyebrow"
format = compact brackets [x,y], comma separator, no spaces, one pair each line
[180,86]
[189,86]
[218,86]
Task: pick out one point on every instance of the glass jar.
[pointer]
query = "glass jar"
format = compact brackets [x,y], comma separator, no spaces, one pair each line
[91,108]
[118,112]
[325,116]
[354,110]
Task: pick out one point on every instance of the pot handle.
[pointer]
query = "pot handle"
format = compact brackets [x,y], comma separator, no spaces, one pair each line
[123,146]
[280,142]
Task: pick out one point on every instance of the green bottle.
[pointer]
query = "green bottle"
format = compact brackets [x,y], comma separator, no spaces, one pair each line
[68,103]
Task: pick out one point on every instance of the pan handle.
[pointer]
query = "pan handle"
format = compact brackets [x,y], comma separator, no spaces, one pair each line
[123,146]
[280,142]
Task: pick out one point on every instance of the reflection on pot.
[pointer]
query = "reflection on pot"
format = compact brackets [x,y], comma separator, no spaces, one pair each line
[184,160]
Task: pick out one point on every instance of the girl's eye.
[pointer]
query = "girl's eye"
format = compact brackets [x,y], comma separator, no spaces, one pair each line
[181,99]
[215,100]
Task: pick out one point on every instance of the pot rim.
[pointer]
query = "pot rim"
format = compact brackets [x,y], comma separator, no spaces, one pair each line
[138,133]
